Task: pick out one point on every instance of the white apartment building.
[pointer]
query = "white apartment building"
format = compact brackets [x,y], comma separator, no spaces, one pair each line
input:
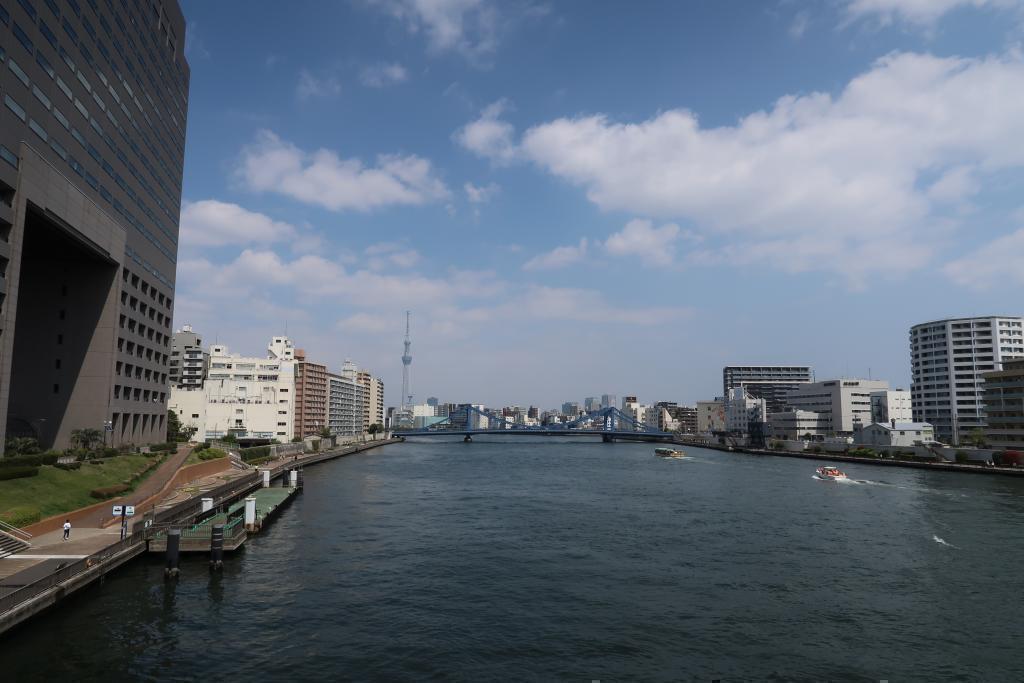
[741,409]
[711,416]
[347,400]
[248,397]
[891,404]
[846,402]
[948,361]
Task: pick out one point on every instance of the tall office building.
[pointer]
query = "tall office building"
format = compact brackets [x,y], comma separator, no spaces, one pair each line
[188,364]
[949,359]
[770,382]
[92,143]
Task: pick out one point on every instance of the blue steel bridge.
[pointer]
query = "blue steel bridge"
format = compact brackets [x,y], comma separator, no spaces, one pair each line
[610,424]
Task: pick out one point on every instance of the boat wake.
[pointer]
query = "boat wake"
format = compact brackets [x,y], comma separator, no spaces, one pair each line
[941,541]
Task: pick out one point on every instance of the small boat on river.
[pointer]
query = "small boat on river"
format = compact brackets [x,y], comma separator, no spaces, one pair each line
[669,453]
[830,473]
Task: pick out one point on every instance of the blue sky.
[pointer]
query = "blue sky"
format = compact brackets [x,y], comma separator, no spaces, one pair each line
[578,198]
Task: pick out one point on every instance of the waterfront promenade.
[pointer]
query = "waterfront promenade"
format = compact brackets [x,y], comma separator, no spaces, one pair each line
[39,577]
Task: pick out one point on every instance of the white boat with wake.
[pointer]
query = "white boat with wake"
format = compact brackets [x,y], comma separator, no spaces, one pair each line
[669,453]
[830,473]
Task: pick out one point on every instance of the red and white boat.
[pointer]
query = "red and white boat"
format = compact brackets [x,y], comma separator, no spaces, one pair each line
[830,473]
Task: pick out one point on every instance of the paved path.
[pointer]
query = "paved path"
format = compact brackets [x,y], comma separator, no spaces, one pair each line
[49,550]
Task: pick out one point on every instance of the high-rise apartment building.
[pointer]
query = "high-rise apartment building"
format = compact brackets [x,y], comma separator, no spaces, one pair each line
[346,401]
[92,141]
[949,359]
[187,367]
[770,382]
[608,400]
[310,396]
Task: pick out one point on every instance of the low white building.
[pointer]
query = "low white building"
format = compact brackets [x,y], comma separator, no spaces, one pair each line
[247,397]
[900,434]
[799,425]
[891,404]
[845,401]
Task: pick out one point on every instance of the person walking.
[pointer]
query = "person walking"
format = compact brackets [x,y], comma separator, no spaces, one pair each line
[67,529]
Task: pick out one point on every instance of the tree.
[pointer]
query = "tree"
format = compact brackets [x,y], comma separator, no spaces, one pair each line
[976,438]
[325,433]
[173,426]
[86,438]
[22,445]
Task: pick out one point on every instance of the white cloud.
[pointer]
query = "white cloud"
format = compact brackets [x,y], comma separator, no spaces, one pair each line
[955,185]
[383,74]
[212,223]
[384,254]
[999,263]
[832,176]
[325,179]
[655,246]
[489,136]
[480,194]
[468,27]
[920,12]
[559,257]
[311,86]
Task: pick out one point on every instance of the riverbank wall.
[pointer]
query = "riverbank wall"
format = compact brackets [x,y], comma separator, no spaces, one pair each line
[880,462]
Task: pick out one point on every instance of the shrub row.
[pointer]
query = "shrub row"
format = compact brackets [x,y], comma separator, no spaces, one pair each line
[250,454]
[48,458]
[18,472]
[170,446]
[109,491]
[70,466]
[212,454]
[22,515]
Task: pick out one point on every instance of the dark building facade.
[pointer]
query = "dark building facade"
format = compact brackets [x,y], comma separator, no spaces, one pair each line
[770,382]
[92,141]
[189,363]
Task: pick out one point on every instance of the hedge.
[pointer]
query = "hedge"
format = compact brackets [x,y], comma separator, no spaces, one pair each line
[109,491]
[68,465]
[170,446]
[22,515]
[48,458]
[18,472]
[250,454]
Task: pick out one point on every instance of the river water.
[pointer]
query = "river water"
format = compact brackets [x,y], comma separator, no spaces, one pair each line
[541,559]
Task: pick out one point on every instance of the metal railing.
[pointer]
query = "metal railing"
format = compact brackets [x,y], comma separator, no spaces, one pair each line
[67,572]
[15,531]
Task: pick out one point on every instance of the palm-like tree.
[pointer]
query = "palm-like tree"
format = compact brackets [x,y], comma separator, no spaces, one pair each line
[87,438]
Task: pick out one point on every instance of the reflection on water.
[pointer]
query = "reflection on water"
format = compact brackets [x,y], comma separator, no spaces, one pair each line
[567,560]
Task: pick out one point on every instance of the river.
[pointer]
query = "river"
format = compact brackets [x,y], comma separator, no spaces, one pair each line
[543,559]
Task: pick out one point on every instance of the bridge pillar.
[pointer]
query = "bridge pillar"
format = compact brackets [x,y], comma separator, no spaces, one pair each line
[468,438]
[250,513]
[607,438]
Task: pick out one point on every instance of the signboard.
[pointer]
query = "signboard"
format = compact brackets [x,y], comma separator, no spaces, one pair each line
[124,510]
[118,509]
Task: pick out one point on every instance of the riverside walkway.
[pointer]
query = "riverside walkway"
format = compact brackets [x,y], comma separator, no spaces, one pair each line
[43,575]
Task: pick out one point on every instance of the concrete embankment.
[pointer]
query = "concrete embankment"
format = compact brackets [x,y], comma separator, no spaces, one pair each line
[880,462]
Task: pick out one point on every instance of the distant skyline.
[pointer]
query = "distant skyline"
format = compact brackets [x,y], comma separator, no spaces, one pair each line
[576,198]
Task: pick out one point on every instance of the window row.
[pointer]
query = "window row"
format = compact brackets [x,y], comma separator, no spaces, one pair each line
[124,393]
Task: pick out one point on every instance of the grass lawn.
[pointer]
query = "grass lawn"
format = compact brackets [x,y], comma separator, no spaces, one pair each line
[55,490]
